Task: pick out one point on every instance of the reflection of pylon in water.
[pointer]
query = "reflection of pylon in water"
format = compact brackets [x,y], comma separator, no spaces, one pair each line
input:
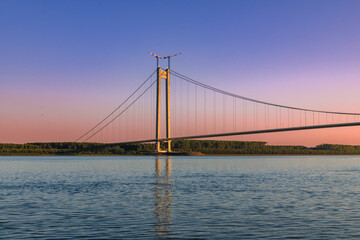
[163,196]
[161,74]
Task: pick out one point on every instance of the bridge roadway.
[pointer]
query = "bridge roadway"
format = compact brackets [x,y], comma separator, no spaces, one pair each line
[249,132]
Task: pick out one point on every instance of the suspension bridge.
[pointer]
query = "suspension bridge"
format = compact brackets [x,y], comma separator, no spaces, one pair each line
[195,110]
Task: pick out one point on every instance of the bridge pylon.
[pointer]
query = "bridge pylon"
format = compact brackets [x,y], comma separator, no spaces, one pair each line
[162,74]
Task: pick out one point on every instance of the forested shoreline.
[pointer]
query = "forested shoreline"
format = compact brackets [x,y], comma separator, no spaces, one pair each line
[207,147]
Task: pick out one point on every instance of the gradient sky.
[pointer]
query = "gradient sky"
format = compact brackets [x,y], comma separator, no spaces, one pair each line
[64,65]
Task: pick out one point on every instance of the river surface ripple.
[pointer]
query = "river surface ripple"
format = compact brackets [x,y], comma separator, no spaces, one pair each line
[222,197]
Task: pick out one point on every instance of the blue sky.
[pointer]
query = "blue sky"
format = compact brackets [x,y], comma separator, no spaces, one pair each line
[73,37]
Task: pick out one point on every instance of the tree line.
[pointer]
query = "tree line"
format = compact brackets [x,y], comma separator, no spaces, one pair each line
[182,146]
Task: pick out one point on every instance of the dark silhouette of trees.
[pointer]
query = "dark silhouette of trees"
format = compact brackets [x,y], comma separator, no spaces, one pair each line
[183,146]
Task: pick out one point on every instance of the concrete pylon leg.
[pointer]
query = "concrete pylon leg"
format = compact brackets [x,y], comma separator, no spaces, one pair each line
[168,109]
[158,110]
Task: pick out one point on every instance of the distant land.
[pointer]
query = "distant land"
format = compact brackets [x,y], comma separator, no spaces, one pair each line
[186,147]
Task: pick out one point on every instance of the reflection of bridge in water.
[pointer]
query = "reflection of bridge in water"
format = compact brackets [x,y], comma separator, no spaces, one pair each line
[162,197]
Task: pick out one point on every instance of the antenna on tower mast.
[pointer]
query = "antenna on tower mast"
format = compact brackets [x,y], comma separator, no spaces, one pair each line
[168,58]
[157,58]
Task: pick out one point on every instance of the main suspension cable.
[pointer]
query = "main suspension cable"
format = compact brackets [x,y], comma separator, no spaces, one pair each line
[250,99]
[122,111]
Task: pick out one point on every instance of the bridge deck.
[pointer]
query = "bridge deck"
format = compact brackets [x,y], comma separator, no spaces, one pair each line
[250,132]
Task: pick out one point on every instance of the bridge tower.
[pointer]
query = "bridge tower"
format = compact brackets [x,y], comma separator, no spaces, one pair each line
[162,74]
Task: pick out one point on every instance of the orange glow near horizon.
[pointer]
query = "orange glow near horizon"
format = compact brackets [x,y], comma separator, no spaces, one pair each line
[57,130]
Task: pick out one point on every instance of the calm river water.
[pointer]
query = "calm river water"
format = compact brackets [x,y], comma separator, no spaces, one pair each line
[222,197]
